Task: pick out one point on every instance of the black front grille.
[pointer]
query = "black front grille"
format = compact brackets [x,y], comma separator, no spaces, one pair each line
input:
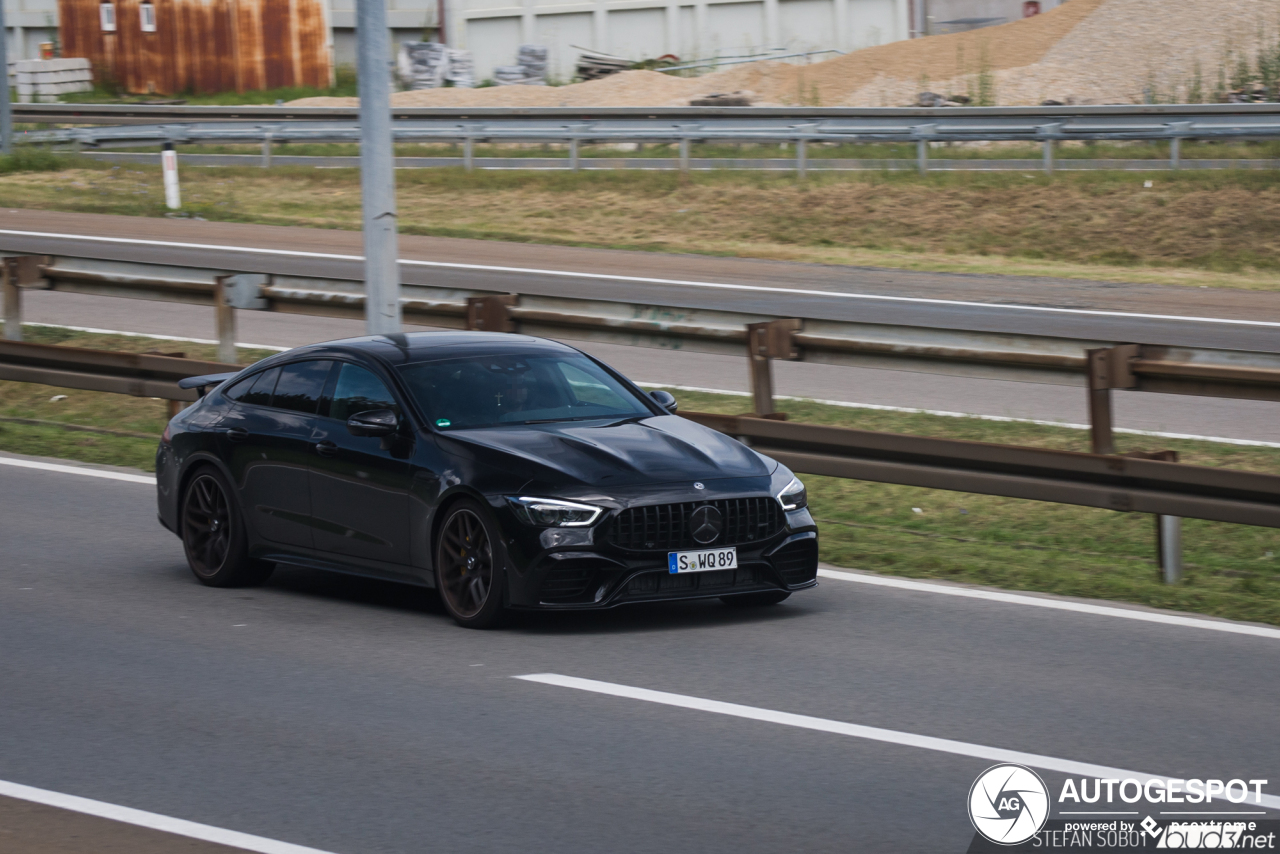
[666,526]
[664,583]
[798,562]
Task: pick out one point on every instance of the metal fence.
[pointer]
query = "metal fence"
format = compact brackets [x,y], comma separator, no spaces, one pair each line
[684,126]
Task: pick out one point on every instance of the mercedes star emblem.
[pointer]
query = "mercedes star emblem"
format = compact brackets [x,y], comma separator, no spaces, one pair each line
[706,524]
[697,484]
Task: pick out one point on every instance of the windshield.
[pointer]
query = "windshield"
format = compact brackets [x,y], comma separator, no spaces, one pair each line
[486,391]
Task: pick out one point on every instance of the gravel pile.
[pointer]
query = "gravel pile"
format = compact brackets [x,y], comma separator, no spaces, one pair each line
[1084,51]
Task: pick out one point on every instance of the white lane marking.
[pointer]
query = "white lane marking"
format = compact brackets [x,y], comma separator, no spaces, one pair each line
[871,733]
[97,331]
[80,470]
[1159,434]
[154,821]
[685,283]
[1056,604]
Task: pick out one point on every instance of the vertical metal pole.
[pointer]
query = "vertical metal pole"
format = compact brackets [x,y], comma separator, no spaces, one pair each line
[12,299]
[684,155]
[1169,547]
[169,172]
[6,113]
[1101,437]
[226,322]
[266,150]
[377,171]
[922,156]
[573,155]
[469,153]
[1048,157]
[761,368]
[802,158]
[1175,153]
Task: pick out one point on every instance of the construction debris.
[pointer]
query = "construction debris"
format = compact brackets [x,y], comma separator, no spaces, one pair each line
[593,66]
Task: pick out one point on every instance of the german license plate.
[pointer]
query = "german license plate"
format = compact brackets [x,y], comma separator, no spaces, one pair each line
[703,561]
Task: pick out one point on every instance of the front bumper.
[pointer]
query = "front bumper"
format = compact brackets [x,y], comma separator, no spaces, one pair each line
[595,576]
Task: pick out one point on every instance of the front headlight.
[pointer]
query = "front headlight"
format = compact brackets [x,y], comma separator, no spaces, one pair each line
[553,513]
[794,496]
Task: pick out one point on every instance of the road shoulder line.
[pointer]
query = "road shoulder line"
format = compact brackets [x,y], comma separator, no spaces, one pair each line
[1047,601]
[154,821]
[82,470]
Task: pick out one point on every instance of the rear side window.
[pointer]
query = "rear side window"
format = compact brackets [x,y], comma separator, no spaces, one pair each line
[255,389]
[359,390]
[299,386]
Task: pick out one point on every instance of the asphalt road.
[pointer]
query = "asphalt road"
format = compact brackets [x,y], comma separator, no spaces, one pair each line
[353,716]
[994,297]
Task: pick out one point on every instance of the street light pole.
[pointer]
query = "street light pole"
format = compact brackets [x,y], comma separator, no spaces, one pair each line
[6,115]
[377,171]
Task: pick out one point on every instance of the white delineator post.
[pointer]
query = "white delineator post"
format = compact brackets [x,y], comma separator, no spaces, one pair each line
[169,168]
[377,171]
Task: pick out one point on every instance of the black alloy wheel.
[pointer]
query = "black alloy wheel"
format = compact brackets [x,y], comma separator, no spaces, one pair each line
[468,576]
[213,535]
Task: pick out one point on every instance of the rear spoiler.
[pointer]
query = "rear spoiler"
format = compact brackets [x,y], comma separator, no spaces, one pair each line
[201,384]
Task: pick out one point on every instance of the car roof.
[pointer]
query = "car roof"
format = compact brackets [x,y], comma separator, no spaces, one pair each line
[408,347]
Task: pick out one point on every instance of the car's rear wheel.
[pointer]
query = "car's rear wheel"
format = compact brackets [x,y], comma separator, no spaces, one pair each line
[214,536]
[469,574]
[755,600]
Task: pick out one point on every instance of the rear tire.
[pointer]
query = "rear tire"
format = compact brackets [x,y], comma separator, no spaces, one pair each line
[470,574]
[214,535]
[755,600]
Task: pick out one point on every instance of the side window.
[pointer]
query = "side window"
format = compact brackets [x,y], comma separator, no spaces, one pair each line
[299,387]
[359,390]
[255,388]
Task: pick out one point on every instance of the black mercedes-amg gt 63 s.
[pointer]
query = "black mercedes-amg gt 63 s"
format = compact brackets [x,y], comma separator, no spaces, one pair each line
[506,471]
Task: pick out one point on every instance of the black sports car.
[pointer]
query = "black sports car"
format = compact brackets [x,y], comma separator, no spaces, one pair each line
[504,470]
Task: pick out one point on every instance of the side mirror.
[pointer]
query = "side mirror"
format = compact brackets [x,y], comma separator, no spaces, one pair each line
[665,399]
[374,422]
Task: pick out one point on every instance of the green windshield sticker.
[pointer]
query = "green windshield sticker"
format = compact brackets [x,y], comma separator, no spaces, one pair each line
[443,422]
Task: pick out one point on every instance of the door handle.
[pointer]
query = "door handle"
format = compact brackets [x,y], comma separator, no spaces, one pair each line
[237,434]
[326,449]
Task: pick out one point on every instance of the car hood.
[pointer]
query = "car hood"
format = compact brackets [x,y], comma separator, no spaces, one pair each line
[655,450]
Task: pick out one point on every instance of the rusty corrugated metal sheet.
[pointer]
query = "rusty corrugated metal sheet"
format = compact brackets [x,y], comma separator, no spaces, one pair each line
[202,45]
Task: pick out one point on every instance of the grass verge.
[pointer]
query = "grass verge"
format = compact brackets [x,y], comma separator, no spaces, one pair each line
[1231,570]
[1215,229]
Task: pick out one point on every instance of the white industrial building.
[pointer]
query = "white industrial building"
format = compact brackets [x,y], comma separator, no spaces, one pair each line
[634,29]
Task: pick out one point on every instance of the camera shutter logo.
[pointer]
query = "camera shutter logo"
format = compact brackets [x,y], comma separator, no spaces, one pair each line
[706,524]
[1008,804]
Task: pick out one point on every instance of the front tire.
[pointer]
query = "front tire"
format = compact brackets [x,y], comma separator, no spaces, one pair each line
[214,535]
[755,600]
[469,571]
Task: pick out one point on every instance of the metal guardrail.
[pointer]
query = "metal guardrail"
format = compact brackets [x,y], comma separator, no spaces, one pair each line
[136,374]
[119,114]
[684,126]
[1112,482]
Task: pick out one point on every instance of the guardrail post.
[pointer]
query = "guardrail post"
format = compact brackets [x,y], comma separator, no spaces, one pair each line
[468,153]
[1169,547]
[1048,157]
[492,313]
[573,154]
[266,150]
[773,339]
[18,270]
[922,156]
[1175,153]
[225,314]
[684,154]
[802,157]
[1108,368]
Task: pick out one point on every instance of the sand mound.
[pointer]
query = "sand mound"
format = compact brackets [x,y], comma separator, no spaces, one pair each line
[1084,51]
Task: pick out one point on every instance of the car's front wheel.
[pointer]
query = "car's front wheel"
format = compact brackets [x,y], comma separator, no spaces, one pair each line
[469,573]
[214,536]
